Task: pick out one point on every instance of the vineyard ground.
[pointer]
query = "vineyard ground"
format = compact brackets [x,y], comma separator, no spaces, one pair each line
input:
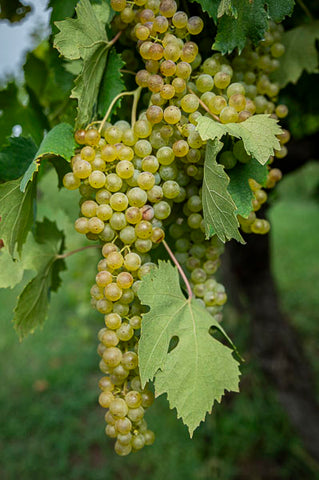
[52,427]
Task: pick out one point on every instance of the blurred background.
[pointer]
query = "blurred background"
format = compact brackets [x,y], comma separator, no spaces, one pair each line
[50,423]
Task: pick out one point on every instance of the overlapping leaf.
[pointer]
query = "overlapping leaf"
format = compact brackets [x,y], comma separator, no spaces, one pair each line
[300,54]
[85,38]
[259,134]
[218,206]
[16,209]
[41,256]
[15,157]
[112,83]
[199,369]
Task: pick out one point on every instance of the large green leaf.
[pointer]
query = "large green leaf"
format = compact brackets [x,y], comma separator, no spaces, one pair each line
[15,157]
[301,53]
[247,19]
[218,206]
[200,368]
[40,256]
[17,212]
[85,38]
[11,271]
[239,188]
[259,134]
[59,142]
[112,83]
[14,113]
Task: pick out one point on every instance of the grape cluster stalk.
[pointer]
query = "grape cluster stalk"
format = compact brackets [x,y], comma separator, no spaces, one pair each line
[141,180]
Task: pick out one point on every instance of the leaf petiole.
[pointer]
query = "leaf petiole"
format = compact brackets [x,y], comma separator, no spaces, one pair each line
[181,271]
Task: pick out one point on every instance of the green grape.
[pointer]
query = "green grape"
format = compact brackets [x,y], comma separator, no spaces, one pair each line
[95,225]
[228,115]
[81,169]
[277,49]
[137,197]
[118,221]
[119,201]
[171,189]
[178,83]
[150,164]
[142,128]
[155,194]
[81,225]
[113,182]
[168,68]
[180,19]
[168,172]
[132,262]
[147,15]
[190,103]
[168,8]
[228,159]
[172,115]
[222,80]
[281,111]
[195,25]
[88,153]
[160,24]
[204,83]
[217,104]
[183,71]
[156,52]
[172,52]
[109,339]
[125,332]
[88,208]
[143,245]
[162,210]
[71,182]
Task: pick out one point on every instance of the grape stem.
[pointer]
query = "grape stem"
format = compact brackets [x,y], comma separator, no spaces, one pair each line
[215,117]
[181,271]
[136,93]
[305,9]
[68,254]
[114,39]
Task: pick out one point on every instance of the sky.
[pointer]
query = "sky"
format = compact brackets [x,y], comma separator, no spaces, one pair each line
[16,39]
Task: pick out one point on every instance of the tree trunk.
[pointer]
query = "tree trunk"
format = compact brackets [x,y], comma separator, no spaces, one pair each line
[275,343]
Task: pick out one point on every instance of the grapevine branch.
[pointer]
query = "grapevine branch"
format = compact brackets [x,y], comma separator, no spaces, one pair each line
[181,271]
[136,94]
[215,117]
[68,254]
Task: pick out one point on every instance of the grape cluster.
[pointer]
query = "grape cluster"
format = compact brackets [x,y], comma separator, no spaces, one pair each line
[140,180]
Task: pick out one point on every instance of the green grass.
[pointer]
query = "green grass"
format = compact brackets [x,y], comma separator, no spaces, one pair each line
[51,426]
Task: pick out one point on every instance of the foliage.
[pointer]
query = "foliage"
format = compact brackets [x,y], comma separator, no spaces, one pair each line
[192,391]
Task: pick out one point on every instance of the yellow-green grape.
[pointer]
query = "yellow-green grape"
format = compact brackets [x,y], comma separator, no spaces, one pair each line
[237,101]
[88,208]
[195,25]
[190,103]
[154,114]
[137,197]
[142,32]
[125,169]
[125,153]
[71,182]
[114,260]
[172,52]
[156,52]
[234,89]
[95,225]
[112,292]
[160,24]
[260,226]
[204,83]
[277,49]
[103,278]
[281,111]
[146,180]
[132,262]
[168,8]
[81,225]
[97,179]
[113,135]
[165,155]
[180,19]
[172,115]
[189,52]
[228,159]
[222,80]
[113,182]
[87,153]
[92,137]
[228,115]
[118,5]
[79,136]
[167,91]
[180,148]
[168,68]
[217,104]
[81,169]
[142,77]
[211,66]
[142,128]
[282,153]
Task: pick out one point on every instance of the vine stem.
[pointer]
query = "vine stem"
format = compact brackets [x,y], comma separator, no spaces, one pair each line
[215,117]
[68,254]
[305,9]
[114,39]
[123,94]
[181,271]
[136,97]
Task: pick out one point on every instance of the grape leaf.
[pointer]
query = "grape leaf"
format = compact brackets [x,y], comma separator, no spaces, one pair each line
[59,142]
[199,369]
[61,10]
[226,7]
[301,54]
[249,20]
[13,113]
[210,6]
[239,188]
[16,157]
[41,256]
[112,83]
[218,206]
[85,38]
[259,134]
[11,272]
[16,209]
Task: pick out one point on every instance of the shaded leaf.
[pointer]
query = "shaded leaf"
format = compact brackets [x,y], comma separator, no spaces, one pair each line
[15,157]
[199,369]
[239,188]
[16,209]
[218,206]
[300,54]
[41,256]
[112,83]
[11,272]
[259,134]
